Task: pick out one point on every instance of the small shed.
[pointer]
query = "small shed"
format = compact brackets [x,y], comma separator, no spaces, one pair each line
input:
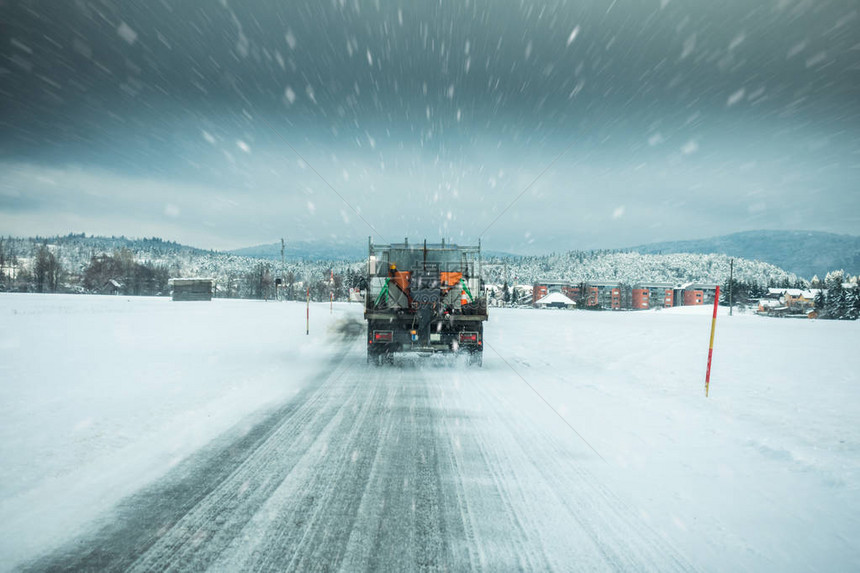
[112,286]
[192,288]
[555,300]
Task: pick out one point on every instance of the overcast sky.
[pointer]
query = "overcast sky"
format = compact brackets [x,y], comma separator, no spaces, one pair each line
[665,119]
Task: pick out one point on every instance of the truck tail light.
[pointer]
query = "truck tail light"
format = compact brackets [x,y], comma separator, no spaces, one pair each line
[383,335]
[469,337]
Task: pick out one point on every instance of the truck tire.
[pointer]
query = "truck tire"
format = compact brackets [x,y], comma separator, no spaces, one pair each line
[373,359]
[380,358]
[476,359]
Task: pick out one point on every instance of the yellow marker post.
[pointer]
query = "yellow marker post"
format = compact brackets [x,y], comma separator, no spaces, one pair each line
[711,345]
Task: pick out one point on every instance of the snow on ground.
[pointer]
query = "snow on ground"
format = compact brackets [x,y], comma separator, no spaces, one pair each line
[102,395]
[762,475]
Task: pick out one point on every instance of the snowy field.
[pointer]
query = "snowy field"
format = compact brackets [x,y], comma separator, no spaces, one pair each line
[101,397]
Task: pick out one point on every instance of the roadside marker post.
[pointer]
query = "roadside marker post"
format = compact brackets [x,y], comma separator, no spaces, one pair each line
[711,345]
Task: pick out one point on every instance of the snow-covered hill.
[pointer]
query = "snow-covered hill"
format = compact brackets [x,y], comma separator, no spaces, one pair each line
[250,277]
[631,268]
[806,253]
[236,276]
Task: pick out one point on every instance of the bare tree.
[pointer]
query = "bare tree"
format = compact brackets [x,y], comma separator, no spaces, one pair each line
[46,270]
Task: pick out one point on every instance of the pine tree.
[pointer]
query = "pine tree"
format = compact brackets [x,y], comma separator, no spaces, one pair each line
[835,304]
[820,301]
[852,303]
[844,304]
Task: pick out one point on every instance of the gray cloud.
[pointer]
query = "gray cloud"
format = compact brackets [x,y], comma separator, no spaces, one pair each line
[684,119]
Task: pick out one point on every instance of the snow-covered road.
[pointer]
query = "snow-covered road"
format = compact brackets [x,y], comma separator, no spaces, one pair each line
[395,468]
[217,435]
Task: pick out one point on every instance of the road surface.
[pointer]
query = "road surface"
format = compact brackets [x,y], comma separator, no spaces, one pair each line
[396,468]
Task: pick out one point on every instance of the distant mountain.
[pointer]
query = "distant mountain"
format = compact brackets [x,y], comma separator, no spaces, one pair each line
[804,253]
[108,244]
[317,251]
[305,250]
[499,254]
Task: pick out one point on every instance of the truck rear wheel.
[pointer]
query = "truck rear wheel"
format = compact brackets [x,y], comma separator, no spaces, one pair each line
[374,358]
[380,358]
[476,359]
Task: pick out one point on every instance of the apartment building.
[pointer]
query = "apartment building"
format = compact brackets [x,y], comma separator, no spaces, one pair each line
[615,296]
[660,295]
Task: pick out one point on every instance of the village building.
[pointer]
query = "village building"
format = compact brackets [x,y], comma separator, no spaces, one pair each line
[660,295]
[192,289]
[112,286]
[616,296]
[555,300]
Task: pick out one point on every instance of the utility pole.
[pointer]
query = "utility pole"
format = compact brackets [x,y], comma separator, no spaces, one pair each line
[504,302]
[731,282]
[283,274]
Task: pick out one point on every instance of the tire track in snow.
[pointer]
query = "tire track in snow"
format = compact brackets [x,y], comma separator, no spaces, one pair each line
[605,531]
[308,518]
[409,514]
[375,501]
[505,537]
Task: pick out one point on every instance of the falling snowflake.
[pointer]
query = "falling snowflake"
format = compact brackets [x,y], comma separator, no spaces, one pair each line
[126,33]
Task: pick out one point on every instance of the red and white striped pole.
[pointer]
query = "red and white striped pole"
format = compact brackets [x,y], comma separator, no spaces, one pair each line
[711,345]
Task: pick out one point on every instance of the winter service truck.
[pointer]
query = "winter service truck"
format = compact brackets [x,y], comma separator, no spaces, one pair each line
[426,299]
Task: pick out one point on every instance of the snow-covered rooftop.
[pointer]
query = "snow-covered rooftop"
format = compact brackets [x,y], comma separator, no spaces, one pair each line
[555,298]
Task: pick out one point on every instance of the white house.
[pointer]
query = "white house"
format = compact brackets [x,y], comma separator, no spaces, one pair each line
[555,300]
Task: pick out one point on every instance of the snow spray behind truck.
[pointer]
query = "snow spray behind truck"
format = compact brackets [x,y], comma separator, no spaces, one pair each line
[424,298]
